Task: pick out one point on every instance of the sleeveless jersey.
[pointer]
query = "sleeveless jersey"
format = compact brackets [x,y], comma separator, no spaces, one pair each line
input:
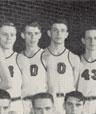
[87,79]
[59,70]
[33,74]
[15,91]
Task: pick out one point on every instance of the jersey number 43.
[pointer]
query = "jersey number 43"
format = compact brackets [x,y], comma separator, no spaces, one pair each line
[86,75]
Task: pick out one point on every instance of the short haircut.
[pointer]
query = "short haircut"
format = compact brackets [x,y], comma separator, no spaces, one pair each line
[75,94]
[42,96]
[32,24]
[58,21]
[7,23]
[4,94]
[88,27]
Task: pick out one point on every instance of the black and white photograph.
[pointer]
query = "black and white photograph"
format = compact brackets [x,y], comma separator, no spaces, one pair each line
[47,57]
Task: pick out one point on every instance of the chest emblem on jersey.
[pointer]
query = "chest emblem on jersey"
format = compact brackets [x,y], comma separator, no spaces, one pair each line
[61,68]
[87,76]
[33,70]
[11,70]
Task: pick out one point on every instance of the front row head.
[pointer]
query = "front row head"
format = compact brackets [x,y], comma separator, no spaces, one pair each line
[74,102]
[43,103]
[5,100]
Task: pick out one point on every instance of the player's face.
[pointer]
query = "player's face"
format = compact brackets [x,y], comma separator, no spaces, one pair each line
[7,37]
[73,106]
[58,33]
[4,106]
[90,40]
[32,36]
[43,106]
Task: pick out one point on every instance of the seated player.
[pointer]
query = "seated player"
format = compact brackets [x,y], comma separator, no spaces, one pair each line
[74,102]
[5,100]
[62,65]
[87,79]
[34,78]
[7,39]
[43,103]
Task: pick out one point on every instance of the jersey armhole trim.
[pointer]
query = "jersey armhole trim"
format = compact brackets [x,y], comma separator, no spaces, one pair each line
[42,61]
[69,59]
[17,62]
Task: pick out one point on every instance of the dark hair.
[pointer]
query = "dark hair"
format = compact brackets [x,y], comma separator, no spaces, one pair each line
[42,96]
[88,27]
[58,21]
[7,23]
[4,94]
[32,24]
[75,94]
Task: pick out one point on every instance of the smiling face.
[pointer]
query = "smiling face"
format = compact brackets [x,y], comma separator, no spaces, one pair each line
[7,36]
[73,106]
[43,106]
[90,40]
[58,33]
[32,36]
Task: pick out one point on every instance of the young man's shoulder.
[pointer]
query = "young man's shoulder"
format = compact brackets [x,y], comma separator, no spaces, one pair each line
[21,58]
[1,54]
[73,55]
[74,59]
[45,52]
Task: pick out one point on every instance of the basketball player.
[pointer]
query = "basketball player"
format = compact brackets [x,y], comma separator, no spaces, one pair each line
[33,72]
[87,79]
[43,103]
[60,63]
[7,39]
[74,102]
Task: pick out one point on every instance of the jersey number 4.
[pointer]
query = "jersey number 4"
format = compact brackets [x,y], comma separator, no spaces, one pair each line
[11,70]
[34,70]
[61,68]
[86,75]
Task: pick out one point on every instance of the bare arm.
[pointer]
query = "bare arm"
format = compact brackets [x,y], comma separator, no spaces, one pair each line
[4,73]
[75,61]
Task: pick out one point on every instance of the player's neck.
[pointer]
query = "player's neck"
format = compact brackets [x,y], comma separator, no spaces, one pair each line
[31,51]
[56,49]
[90,55]
[7,52]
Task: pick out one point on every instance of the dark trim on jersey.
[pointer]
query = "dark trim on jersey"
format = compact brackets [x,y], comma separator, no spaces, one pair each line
[54,54]
[87,60]
[33,55]
[69,59]
[17,62]
[9,55]
[42,60]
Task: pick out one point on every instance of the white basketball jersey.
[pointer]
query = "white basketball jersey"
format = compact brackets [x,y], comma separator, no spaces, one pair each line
[87,80]
[15,91]
[33,74]
[59,70]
